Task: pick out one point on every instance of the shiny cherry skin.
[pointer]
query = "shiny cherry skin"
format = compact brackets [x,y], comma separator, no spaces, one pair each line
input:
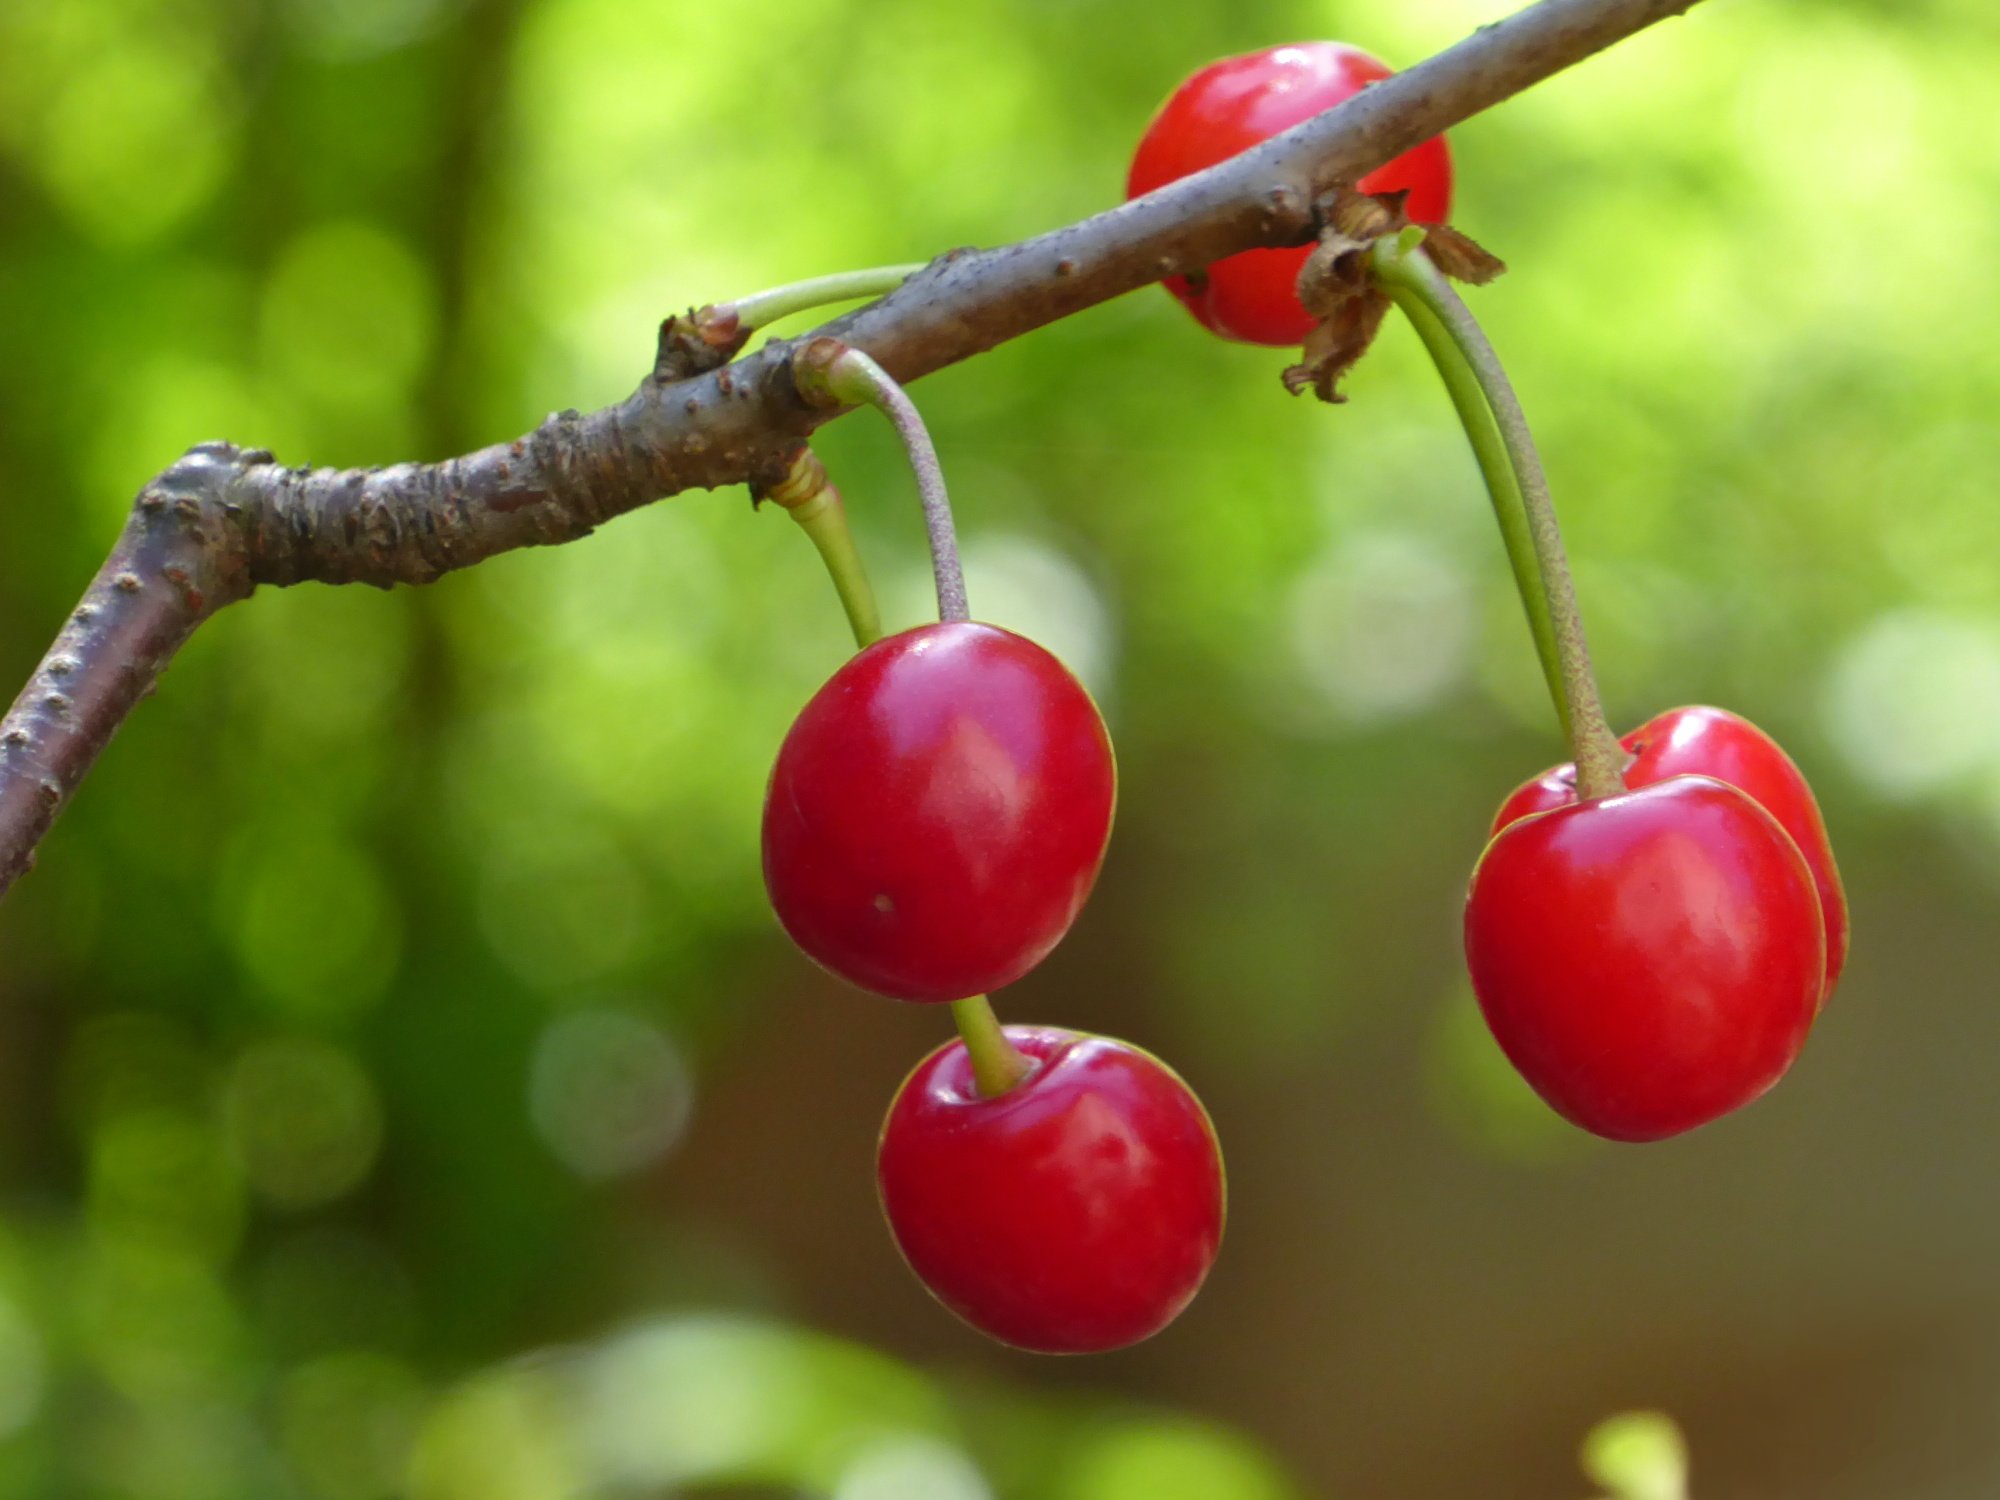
[1075,1213]
[938,813]
[1231,105]
[1714,742]
[1648,961]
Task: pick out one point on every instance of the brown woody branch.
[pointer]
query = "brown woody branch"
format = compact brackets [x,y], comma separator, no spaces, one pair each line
[222,520]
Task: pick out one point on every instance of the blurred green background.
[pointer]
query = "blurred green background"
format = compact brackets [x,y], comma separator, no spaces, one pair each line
[403,1087]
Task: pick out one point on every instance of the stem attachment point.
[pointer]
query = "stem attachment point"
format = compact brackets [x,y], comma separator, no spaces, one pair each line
[997,1065]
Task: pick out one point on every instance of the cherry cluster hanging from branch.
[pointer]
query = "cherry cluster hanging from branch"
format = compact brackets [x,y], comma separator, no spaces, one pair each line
[225,520]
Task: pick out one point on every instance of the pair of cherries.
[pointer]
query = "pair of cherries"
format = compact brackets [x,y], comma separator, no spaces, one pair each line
[1648,961]
[936,818]
[935,821]
[1652,960]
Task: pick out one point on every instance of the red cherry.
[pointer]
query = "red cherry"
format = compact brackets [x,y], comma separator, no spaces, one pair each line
[938,813]
[1715,742]
[1648,961]
[1231,105]
[1075,1213]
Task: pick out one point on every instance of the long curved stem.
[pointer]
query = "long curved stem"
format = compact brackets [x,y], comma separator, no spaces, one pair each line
[851,378]
[1399,264]
[1508,507]
[760,309]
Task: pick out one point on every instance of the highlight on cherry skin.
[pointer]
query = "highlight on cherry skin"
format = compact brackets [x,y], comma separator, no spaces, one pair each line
[938,812]
[1075,1213]
[1714,742]
[1648,961]
[1233,104]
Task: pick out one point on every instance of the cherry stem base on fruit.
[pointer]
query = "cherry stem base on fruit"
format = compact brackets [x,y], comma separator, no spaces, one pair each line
[997,1065]
[812,500]
[828,371]
[1402,269]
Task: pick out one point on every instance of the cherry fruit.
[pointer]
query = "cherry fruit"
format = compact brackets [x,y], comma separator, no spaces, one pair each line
[1715,742]
[1077,1212]
[938,812]
[1647,961]
[1231,105]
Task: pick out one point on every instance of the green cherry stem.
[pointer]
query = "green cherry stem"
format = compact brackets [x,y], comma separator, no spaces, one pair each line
[997,1065]
[1508,508]
[831,373]
[825,521]
[812,499]
[760,309]
[1407,275]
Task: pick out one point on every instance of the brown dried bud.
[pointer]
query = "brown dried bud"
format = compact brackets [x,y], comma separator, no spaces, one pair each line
[705,339]
[1333,348]
[1336,287]
[1461,257]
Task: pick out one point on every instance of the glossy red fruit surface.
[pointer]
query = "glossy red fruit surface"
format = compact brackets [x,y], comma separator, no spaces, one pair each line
[938,813]
[1714,742]
[1647,961]
[1230,106]
[1075,1213]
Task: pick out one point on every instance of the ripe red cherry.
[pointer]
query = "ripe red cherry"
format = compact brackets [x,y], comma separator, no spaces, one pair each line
[1075,1213]
[1648,961]
[1231,105]
[938,813]
[1715,742]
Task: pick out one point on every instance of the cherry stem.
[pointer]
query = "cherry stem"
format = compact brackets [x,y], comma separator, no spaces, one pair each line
[997,1064]
[852,378]
[760,309]
[1408,275]
[1508,507]
[814,502]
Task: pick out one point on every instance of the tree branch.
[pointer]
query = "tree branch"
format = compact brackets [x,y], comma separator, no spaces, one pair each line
[221,521]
